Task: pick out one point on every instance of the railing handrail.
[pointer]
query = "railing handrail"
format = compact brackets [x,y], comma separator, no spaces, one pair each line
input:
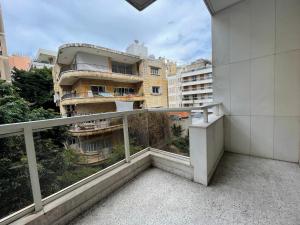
[106,69]
[41,124]
[86,95]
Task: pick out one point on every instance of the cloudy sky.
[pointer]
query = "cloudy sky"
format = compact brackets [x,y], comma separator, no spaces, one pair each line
[176,29]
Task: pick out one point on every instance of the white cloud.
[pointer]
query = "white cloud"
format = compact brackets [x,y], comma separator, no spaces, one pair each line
[175,29]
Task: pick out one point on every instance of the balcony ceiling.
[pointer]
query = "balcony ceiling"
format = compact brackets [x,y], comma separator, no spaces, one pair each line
[215,6]
[67,53]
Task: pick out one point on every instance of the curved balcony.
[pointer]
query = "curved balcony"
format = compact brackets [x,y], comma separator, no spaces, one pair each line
[71,73]
[95,128]
[104,97]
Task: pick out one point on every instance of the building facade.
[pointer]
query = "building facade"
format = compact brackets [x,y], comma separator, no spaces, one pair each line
[44,58]
[174,91]
[20,62]
[192,85]
[4,66]
[91,79]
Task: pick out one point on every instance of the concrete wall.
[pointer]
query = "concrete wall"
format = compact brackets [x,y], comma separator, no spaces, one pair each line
[206,148]
[256,59]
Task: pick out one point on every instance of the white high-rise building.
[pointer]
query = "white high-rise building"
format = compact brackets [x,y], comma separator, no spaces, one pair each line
[192,85]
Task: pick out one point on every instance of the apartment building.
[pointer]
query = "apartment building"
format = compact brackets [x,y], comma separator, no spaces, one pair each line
[44,58]
[4,66]
[91,79]
[174,90]
[192,85]
[20,62]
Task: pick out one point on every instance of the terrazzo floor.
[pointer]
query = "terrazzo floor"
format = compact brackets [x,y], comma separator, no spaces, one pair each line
[244,190]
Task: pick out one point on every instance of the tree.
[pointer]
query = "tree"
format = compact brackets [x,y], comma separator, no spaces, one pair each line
[35,86]
[15,191]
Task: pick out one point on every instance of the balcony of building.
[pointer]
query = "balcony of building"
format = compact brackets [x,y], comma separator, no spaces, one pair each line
[197,90]
[197,80]
[103,97]
[86,61]
[243,189]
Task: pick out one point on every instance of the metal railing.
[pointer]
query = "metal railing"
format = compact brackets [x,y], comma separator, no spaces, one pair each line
[97,95]
[28,129]
[198,79]
[92,67]
[198,89]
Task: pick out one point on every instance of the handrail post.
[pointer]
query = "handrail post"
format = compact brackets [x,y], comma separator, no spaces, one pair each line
[205,115]
[218,110]
[126,138]
[33,172]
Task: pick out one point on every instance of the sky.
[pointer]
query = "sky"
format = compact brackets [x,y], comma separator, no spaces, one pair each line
[176,29]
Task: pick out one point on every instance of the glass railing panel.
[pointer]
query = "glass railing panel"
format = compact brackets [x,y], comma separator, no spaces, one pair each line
[68,154]
[168,131]
[15,188]
[138,132]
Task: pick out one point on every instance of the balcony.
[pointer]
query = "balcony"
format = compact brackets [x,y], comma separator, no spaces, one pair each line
[104,97]
[94,128]
[242,189]
[203,80]
[69,74]
[201,90]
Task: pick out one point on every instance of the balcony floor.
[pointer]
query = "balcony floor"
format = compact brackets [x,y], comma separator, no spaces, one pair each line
[244,190]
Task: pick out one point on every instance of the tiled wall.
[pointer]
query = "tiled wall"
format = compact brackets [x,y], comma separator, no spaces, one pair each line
[256,59]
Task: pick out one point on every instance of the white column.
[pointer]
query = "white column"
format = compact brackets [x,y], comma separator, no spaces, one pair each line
[126,138]
[206,148]
[33,172]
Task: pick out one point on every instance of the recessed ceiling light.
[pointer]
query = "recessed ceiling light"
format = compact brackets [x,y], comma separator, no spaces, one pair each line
[140,4]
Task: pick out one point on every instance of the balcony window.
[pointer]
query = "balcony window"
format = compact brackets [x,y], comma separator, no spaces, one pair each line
[96,90]
[154,71]
[121,68]
[194,78]
[122,91]
[156,90]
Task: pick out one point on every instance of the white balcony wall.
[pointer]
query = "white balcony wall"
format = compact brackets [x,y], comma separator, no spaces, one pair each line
[256,73]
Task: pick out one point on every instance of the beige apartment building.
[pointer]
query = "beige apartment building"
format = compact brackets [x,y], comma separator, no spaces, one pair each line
[90,79]
[4,66]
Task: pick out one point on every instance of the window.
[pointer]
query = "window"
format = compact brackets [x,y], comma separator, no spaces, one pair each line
[121,68]
[97,89]
[194,78]
[155,90]
[121,91]
[154,70]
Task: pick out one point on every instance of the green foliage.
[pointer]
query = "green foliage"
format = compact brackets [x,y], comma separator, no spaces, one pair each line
[182,143]
[35,86]
[15,191]
[176,130]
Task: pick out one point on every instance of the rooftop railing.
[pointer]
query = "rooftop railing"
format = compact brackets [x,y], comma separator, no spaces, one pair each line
[163,128]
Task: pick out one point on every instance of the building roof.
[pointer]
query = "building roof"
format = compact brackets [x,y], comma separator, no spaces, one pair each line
[67,52]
